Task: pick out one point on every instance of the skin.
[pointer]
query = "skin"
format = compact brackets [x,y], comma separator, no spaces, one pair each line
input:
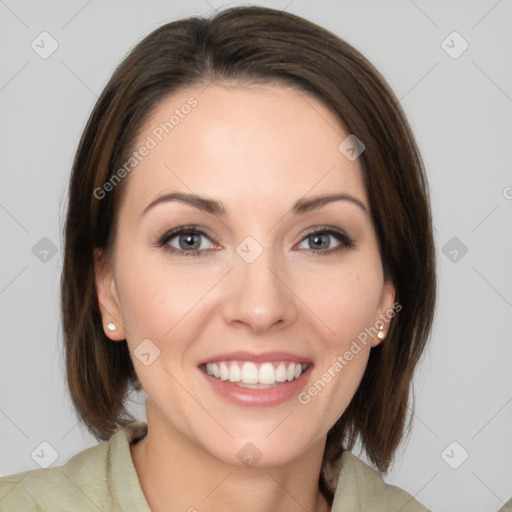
[257,149]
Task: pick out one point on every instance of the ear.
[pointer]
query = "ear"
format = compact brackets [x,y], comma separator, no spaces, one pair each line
[385,312]
[108,299]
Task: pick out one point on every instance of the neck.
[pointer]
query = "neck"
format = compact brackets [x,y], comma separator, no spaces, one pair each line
[177,475]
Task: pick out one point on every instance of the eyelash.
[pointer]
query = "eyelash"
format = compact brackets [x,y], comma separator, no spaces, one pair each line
[163,240]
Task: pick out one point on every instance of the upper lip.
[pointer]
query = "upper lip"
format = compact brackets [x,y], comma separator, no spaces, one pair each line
[241,355]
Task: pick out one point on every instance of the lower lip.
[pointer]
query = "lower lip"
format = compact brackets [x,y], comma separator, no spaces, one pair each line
[258,397]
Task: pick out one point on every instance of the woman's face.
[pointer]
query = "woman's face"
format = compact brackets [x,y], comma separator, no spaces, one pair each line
[257,290]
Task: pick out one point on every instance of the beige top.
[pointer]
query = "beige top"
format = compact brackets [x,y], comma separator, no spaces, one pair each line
[103,478]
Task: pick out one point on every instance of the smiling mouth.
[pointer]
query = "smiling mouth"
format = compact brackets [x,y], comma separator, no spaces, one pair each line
[255,375]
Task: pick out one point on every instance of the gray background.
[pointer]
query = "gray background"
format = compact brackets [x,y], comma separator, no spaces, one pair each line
[460,111]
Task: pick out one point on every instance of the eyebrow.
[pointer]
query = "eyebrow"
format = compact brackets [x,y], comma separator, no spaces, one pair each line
[216,207]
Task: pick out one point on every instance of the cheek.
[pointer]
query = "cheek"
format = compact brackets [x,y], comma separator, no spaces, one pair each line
[346,299]
[156,294]
[349,304]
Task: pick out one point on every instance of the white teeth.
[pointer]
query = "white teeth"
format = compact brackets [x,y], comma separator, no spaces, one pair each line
[281,373]
[248,374]
[224,372]
[267,374]
[290,372]
[234,373]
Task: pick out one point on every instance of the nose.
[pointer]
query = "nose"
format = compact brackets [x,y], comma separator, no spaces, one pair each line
[258,295]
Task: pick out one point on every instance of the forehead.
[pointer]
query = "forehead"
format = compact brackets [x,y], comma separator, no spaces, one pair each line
[264,143]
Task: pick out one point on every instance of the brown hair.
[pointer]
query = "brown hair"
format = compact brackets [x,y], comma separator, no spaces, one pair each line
[246,45]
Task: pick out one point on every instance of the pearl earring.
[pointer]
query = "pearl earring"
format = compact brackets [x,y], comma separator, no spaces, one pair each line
[380,334]
[111,326]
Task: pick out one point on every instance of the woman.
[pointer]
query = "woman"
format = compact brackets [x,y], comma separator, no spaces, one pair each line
[248,241]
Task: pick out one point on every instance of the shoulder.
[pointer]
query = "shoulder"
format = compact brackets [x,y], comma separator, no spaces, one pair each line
[80,480]
[84,483]
[361,488]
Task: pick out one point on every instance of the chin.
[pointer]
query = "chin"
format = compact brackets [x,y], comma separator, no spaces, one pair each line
[259,450]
